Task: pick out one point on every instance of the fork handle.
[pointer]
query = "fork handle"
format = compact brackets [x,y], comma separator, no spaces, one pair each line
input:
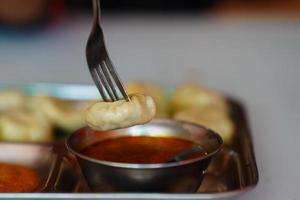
[97,10]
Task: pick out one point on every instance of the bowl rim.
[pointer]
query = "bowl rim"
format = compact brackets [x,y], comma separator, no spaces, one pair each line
[149,166]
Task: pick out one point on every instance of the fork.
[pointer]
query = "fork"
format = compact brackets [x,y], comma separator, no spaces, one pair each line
[100,65]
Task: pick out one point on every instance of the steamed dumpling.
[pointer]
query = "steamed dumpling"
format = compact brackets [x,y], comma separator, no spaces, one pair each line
[24,126]
[66,115]
[210,117]
[192,96]
[11,100]
[105,116]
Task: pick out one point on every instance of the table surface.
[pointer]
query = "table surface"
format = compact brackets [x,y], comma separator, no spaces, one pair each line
[254,59]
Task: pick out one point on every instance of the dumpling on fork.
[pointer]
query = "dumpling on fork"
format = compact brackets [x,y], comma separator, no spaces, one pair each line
[105,116]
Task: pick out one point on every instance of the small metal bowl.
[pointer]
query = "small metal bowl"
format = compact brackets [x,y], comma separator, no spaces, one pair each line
[176,177]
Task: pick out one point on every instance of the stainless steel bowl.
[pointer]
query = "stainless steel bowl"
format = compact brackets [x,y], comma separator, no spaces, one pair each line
[178,177]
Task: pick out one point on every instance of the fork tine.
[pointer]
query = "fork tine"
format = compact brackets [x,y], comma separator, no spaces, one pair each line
[104,74]
[109,80]
[116,78]
[97,81]
[105,82]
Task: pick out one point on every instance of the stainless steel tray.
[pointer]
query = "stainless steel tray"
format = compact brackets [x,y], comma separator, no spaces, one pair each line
[232,172]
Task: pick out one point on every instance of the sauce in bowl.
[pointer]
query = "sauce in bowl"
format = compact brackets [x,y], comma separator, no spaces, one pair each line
[138,149]
[16,178]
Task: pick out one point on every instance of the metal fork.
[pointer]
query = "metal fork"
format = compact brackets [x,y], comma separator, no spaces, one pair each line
[99,63]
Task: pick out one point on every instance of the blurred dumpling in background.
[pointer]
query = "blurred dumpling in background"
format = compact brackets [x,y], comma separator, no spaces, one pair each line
[200,105]
[66,115]
[35,118]
[11,100]
[24,126]
[153,90]
[190,96]
[17,123]
[210,117]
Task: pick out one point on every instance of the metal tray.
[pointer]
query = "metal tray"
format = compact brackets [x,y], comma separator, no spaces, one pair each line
[232,172]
